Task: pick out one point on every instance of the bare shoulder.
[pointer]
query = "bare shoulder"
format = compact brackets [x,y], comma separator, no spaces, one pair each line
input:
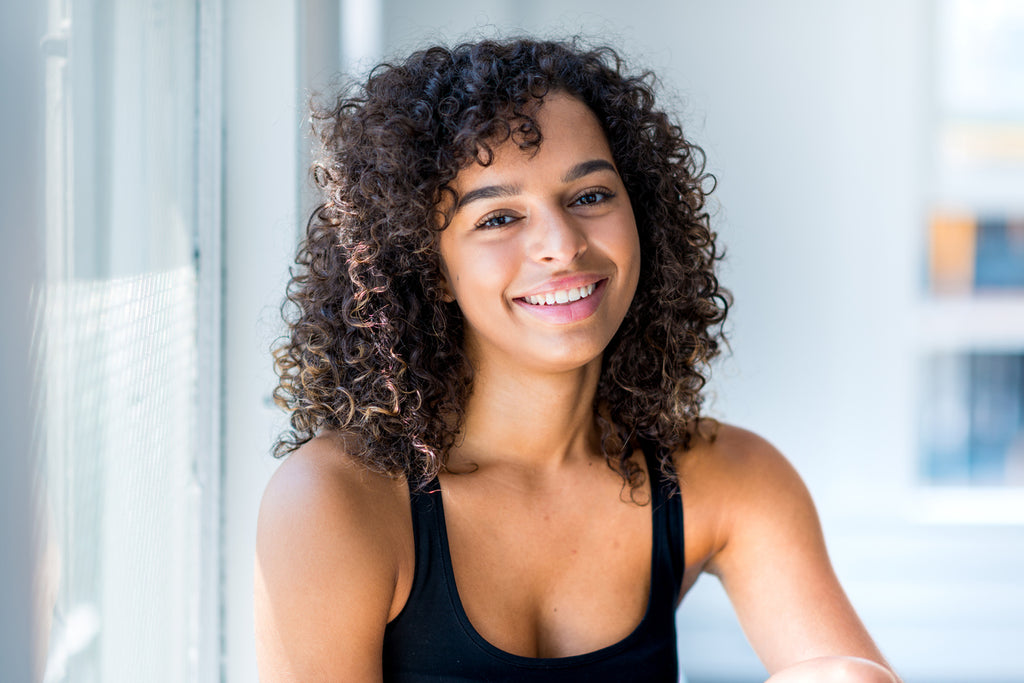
[737,464]
[322,483]
[761,536]
[731,478]
[333,550]
[735,455]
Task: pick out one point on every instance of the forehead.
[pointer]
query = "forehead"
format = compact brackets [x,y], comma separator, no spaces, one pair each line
[570,132]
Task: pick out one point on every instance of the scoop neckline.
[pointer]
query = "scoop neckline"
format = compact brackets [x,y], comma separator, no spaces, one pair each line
[547,662]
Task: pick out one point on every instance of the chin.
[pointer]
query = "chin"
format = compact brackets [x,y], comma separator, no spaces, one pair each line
[570,361]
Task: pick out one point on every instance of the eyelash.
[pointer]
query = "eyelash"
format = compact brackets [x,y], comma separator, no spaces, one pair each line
[604,195]
[607,194]
[483,224]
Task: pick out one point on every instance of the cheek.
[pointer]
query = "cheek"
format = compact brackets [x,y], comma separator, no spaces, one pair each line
[622,244]
[635,246]
[478,276]
[627,255]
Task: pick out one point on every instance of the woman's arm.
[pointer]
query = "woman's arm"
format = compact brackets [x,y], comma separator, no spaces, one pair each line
[328,562]
[835,670]
[773,564]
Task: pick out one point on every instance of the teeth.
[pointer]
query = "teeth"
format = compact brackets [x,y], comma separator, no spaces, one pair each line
[562,296]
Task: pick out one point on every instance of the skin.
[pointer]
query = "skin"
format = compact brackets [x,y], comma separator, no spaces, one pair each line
[531,507]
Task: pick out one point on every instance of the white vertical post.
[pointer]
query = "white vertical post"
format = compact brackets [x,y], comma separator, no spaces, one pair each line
[261,178]
[207,613]
[361,35]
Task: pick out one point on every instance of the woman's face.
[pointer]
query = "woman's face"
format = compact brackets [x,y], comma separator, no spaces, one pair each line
[542,255]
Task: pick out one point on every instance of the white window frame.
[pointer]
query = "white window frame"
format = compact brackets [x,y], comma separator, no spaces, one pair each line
[208,612]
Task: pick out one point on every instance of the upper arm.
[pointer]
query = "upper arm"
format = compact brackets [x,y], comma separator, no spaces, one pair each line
[326,571]
[773,562]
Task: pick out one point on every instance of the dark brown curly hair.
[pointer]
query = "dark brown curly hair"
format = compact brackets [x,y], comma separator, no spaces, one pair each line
[376,352]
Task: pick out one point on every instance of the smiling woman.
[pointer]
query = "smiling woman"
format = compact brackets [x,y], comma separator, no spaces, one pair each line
[542,226]
[498,469]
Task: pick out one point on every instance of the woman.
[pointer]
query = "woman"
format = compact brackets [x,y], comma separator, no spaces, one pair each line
[505,309]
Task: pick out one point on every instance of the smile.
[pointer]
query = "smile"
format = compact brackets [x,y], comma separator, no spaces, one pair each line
[561,296]
[564,306]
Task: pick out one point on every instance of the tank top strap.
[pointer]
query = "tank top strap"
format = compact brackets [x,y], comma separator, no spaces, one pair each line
[426,532]
[667,515]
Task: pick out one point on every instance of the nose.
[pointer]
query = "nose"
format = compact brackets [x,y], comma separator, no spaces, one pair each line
[556,238]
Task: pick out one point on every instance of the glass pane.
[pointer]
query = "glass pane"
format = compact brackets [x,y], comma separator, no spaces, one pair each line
[120,358]
[971,401]
[978,148]
[974,419]
[981,60]
[975,254]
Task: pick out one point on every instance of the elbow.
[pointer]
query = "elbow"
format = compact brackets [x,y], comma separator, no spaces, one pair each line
[856,670]
[835,670]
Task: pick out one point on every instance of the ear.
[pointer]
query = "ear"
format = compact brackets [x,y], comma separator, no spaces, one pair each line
[446,288]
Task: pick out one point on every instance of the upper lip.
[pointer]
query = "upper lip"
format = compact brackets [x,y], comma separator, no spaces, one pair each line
[558,284]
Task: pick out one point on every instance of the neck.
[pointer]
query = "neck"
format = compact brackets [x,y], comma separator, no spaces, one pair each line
[530,421]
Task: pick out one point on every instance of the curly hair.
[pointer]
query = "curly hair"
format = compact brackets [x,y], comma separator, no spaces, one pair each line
[375,351]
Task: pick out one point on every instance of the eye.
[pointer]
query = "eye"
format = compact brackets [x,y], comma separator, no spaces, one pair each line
[594,196]
[495,220]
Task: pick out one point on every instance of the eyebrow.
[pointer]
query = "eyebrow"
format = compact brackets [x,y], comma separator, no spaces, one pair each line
[488,192]
[585,168]
[578,171]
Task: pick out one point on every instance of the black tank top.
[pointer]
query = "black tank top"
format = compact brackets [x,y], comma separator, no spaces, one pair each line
[432,639]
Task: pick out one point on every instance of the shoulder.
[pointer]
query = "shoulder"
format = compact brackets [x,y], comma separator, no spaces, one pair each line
[322,481]
[735,463]
[757,530]
[324,505]
[321,499]
[737,487]
[333,548]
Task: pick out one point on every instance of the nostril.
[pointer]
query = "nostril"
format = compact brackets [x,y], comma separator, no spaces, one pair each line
[557,238]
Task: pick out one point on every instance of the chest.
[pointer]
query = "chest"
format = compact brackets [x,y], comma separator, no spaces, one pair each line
[549,576]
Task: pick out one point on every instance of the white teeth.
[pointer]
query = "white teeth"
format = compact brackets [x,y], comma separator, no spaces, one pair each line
[562,296]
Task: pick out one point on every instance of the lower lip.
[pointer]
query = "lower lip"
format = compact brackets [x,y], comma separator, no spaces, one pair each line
[561,314]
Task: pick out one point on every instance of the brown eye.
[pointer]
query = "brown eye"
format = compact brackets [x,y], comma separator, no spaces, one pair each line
[497,220]
[592,197]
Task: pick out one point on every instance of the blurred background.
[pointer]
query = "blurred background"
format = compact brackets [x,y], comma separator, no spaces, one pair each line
[870,165]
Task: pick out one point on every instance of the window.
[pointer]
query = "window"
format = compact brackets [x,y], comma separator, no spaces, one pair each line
[972,407]
[132,226]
